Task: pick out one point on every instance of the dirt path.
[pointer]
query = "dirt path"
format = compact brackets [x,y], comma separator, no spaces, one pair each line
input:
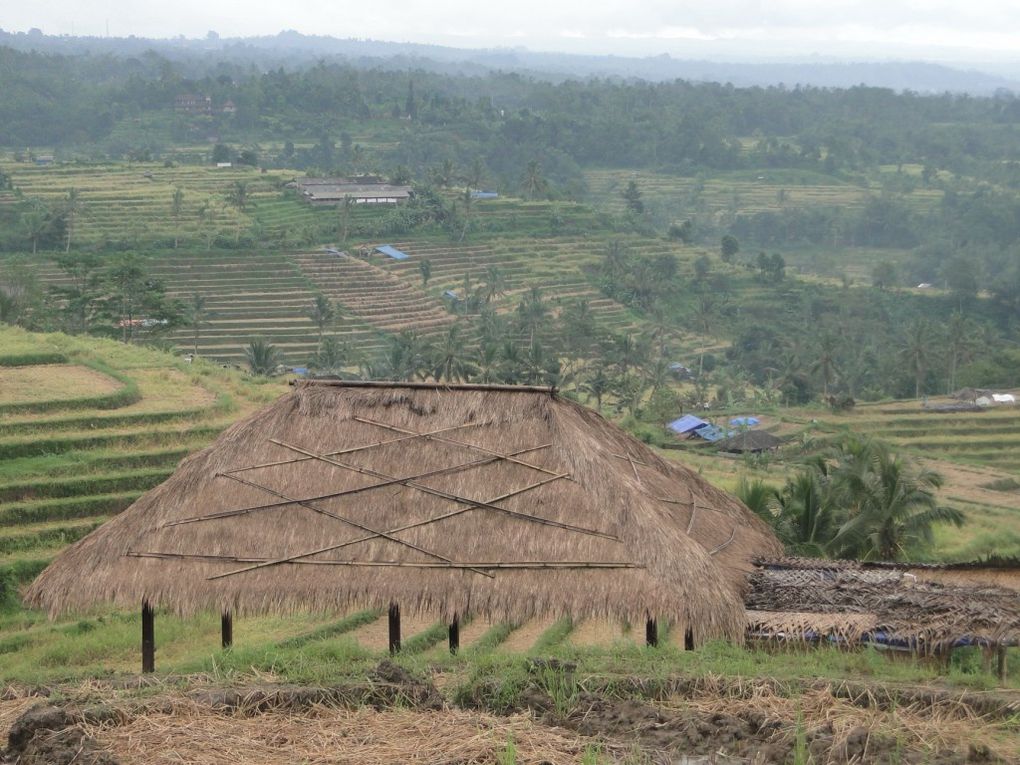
[598,633]
[375,636]
[524,637]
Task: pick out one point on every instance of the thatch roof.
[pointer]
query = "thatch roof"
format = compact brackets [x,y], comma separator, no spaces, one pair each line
[901,606]
[507,502]
[749,441]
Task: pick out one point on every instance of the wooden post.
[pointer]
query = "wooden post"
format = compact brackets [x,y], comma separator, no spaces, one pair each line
[394,628]
[454,635]
[651,633]
[148,638]
[227,629]
[1000,663]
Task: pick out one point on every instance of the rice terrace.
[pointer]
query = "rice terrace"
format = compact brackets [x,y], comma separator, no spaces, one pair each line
[381,403]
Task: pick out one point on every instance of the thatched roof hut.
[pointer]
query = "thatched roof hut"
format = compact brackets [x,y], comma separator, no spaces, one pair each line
[749,441]
[502,501]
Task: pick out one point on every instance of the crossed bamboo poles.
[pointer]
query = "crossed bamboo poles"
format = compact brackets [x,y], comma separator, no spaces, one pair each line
[414,482]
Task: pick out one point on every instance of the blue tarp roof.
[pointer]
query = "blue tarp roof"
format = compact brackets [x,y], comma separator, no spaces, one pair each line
[393,252]
[748,421]
[686,424]
[712,434]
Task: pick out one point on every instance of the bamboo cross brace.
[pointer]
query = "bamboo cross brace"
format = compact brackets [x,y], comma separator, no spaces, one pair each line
[344,493]
[397,530]
[462,500]
[357,525]
[629,459]
[354,449]
[518,564]
[724,545]
[455,442]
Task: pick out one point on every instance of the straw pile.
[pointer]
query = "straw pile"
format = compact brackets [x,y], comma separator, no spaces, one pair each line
[489,500]
[856,603]
[194,734]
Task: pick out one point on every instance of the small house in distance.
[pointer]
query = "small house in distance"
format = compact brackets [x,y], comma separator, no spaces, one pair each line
[322,192]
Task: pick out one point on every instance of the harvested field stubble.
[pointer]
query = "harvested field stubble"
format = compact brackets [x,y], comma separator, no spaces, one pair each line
[194,734]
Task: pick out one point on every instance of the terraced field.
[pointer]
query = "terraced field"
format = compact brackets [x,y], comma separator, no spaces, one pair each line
[133,203]
[741,193]
[109,423]
[374,295]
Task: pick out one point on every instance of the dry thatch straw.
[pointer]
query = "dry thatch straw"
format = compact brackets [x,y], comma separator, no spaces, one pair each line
[843,598]
[584,521]
[195,734]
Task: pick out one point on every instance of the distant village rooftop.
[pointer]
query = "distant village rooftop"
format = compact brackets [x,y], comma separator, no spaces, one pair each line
[333,191]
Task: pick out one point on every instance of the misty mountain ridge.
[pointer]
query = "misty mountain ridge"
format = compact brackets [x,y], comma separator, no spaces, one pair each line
[290,48]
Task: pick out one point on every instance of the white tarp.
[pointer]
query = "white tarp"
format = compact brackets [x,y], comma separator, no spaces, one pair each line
[1003,398]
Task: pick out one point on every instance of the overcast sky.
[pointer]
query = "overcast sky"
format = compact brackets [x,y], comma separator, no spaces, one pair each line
[939,29]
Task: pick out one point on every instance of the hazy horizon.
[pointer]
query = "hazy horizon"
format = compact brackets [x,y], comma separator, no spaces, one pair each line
[734,30]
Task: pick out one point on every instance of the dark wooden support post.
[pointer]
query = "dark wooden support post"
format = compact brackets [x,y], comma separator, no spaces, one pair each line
[148,638]
[1000,663]
[394,628]
[227,629]
[455,635]
[689,640]
[651,633]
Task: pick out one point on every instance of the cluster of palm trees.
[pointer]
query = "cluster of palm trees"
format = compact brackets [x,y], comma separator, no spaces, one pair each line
[538,343]
[855,499]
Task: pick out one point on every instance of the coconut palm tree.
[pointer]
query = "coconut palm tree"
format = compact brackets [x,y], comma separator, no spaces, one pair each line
[916,351]
[894,508]
[322,313]
[825,363]
[494,283]
[450,361]
[74,206]
[196,316]
[262,356]
[534,185]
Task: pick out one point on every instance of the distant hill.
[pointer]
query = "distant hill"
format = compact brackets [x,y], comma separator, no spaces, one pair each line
[293,48]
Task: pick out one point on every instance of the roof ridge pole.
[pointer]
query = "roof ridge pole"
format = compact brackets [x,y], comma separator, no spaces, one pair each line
[394,626]
[148,638]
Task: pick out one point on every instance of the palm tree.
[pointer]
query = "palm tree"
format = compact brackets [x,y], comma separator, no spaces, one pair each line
[196,316]
[825,364]
[333,354]
[238,195]
[597,384]
[176,206]
[894,509]
[494,283]
[35,222]
[532,312]
[534,184]
[262,356]
[322,313]
[450,362]
[759,497]
[915,350]
[960,334]
[73,207]
[806,512]
[346,207]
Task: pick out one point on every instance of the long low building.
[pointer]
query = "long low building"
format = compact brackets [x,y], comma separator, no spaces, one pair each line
[333,191]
